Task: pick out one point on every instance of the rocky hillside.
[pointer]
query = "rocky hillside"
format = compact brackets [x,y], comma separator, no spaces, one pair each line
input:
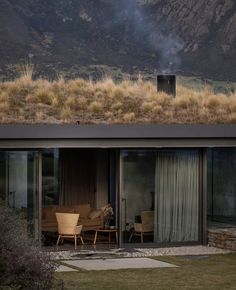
[79,37]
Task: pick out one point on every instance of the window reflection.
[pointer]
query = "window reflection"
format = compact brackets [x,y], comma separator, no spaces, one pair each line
[50,172]
[222,185]
[160,195]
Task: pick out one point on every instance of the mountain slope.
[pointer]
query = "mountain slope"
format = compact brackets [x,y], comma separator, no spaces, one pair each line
[188,37]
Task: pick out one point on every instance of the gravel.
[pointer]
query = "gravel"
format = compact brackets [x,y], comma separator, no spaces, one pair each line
[138,252]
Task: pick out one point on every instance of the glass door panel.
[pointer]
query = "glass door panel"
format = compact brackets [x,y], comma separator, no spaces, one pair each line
[177,196]
[50,177]
[137,194]
[222,185]
[22,187]
[159,196]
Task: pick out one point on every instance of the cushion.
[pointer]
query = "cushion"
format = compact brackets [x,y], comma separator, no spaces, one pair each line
[95,213]
[64,209]
[82,209]
[88,222]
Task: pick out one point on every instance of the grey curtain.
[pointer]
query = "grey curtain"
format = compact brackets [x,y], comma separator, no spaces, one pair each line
[77,172]
[177,196]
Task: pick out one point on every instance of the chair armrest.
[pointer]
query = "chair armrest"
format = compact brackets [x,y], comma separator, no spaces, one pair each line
[78,229]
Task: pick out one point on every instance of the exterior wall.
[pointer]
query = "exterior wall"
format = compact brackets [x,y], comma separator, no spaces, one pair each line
[131,136]
[224,238]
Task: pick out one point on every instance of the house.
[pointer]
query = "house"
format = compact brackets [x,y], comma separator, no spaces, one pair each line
[184,174]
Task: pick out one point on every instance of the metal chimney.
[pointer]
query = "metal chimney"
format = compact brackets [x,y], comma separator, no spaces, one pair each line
[167,84]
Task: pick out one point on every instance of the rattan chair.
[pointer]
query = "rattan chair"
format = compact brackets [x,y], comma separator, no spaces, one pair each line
[146,227]
[68,227]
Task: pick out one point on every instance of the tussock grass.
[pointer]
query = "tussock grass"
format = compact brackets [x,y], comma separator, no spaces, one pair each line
[41,101]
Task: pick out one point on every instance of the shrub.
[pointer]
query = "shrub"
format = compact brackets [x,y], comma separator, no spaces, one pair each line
[22,263]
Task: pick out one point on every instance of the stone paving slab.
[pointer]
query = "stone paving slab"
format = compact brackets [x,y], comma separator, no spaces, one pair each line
[115,264]
[63,268]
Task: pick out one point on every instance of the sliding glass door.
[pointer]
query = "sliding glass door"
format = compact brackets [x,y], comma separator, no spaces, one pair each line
[177,196]
[137,190]
[222,185]
[19,180]
[160,196]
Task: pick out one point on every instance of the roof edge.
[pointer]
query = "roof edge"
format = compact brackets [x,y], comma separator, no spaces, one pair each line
[115,131]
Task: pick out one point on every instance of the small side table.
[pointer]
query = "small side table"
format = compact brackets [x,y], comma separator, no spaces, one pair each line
[109,231]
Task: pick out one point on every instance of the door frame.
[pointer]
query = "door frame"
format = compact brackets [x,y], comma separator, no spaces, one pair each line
[37,165]
[202,212]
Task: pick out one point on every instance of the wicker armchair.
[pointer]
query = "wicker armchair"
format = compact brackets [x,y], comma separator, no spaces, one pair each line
[68,227]
[146,227]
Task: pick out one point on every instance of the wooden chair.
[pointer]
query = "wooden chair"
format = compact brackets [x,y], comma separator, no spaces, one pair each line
[146,227]
[68,227]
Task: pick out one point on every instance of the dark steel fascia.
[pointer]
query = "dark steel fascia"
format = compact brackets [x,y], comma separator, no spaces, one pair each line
[132,131]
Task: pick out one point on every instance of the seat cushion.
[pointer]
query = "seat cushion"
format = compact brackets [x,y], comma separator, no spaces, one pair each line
[64,209]
[88,222]
[82,209]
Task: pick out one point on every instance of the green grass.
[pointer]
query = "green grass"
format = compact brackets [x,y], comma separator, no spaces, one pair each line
[216,272]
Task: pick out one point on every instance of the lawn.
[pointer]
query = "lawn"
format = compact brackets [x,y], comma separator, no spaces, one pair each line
[216,272]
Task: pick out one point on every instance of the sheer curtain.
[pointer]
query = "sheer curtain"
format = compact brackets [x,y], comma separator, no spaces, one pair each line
[177,196]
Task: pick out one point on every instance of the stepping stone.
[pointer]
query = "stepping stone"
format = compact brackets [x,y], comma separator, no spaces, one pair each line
[63,268]
[115,264]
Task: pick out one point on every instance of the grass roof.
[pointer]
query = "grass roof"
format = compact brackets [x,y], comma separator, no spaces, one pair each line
[41,101]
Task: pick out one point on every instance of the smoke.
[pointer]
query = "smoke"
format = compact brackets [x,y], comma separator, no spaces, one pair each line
[166,43]
[168,46]
[141,29]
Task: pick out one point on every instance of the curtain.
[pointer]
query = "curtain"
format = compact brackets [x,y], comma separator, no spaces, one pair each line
[77,172]
[176,196]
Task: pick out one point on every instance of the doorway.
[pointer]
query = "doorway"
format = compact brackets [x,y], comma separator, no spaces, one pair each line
[160,196]
[20,184]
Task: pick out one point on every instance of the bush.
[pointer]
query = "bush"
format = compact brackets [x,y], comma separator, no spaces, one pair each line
[22,263]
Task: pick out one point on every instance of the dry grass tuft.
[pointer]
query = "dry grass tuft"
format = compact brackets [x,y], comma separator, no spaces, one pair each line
[129,117]
[27,101]
[95,107]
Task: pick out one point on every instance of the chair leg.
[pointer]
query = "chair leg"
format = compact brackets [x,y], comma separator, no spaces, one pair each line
[58,240]
[82,241]
[75,242]
[131,236]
